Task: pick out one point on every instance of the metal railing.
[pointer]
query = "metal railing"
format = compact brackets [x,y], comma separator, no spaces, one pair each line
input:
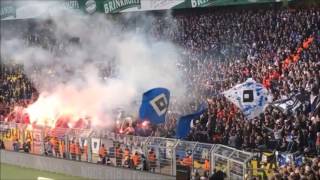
[155,154]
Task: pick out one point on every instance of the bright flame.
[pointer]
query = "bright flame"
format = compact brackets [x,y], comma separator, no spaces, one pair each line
[54,111]
[145,124]
[44,111]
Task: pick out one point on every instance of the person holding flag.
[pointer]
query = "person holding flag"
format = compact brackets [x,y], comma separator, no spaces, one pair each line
[184,123]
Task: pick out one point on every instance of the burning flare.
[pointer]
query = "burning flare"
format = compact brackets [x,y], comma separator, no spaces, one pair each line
[51,111]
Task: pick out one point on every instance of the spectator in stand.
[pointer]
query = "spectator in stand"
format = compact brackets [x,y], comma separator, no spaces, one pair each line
[279,48]
[318,143]
[152,160]
[118,155]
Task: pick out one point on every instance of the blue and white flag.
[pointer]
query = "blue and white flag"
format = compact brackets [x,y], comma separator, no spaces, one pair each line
[184,122]
[250,97]
[299,160]
[282,160]
[154,106]
[294,103]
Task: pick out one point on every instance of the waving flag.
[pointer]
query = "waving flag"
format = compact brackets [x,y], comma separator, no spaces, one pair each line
[154,106]
[292,104]
[184,122]
[315,104]
[250,97]
[282,159]
[298,160]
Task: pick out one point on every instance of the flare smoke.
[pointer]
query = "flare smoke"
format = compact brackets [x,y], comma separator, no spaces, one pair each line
[68,75]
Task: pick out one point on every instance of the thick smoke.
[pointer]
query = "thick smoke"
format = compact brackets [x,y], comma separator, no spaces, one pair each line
[68,76]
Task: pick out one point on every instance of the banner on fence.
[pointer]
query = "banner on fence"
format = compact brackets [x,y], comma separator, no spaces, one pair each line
[28,135]
[37,141]
[33,9]
[95,144]
[262,166]
[11,134]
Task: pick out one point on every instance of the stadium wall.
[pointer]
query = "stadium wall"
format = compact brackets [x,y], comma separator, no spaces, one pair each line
[73,168]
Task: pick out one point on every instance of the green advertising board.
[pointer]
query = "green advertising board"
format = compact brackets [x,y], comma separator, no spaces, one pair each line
[17,9]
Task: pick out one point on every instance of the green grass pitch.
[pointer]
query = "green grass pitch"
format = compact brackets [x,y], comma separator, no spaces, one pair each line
[8,172]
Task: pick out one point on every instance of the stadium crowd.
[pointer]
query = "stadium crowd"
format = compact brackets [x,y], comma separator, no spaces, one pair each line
[277,47]
[223,49]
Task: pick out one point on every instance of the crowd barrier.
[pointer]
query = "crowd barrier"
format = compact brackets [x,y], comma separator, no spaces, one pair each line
[154,154]
[76,168]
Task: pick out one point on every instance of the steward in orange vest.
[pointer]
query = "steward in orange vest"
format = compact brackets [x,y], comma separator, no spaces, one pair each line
[206,165]
[72,150]
[102,154]
[61,150]
[55,147]
[152,160]
[187,161]
[118,156]
[85,151]
[78,151]
[136,160]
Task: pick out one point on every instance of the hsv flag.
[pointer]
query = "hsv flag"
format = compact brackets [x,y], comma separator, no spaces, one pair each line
[154,105]
[294,103]
[184,122]
[250,97]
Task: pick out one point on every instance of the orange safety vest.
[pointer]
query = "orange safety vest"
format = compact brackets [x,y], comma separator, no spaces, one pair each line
[206,165]
[187,161]
[77,149]
[136,160]
[85,151]
[61,147]
[102,151]
[151,156]
[72,148]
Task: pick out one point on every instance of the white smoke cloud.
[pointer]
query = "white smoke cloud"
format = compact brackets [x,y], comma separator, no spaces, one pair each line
[69,82]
